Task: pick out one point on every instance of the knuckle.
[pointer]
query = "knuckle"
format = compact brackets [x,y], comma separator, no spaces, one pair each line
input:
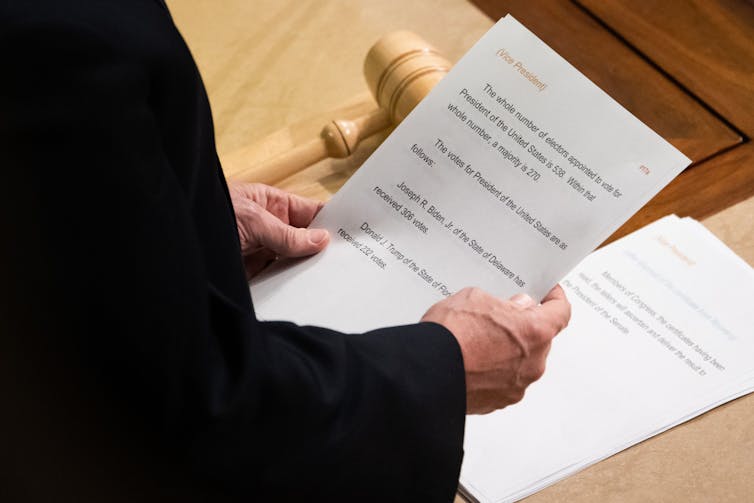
[475,292]
[546,330]
[538,330]
[249,220]
[290,238]
[252,209]
[567,316]
[538,370]
[558,326]
[279,210]
[516,396]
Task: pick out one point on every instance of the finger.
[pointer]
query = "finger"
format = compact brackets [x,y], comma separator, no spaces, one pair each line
[302,210]
[290,208]
[287,240]
[556,293]
[555,308]
[523,300]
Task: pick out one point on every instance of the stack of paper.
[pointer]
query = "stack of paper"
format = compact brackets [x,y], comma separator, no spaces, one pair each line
[662,331]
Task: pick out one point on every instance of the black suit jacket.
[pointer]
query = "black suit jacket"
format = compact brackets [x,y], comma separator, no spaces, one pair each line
[132,363]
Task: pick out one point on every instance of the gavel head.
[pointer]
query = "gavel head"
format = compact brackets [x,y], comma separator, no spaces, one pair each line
[400,70]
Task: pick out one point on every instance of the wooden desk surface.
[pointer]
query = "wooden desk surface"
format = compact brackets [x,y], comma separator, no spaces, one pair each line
[277,71]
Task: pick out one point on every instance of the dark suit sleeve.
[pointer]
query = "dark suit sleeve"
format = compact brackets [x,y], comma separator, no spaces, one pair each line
[113,315]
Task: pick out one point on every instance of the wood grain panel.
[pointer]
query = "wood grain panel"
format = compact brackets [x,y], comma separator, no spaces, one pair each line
[708,46]
[701,191]
[621,73]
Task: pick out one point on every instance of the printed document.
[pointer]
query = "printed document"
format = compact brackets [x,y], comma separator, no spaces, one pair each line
[513,169]
[661,331]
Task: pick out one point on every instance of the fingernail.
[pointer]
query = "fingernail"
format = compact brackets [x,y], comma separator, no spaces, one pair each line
[316,236]
[522,300]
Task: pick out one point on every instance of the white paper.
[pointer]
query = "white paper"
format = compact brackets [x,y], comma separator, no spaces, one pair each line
[455,198]
[660,332]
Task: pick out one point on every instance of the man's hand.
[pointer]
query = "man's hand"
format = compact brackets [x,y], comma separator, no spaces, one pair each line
[504,343]
[271,223]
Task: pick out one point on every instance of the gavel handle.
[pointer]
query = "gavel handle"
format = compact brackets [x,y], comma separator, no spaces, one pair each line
[337,139]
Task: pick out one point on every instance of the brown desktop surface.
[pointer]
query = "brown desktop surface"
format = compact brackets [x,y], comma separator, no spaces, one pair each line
[277,71]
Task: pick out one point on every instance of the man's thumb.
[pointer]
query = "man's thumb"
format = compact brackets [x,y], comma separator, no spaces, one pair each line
[289,241]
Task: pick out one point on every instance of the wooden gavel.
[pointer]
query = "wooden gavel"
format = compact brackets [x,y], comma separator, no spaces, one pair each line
[400,70]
